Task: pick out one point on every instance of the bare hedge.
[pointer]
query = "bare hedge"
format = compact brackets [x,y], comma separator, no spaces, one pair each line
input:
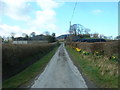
[107,48]
[17,57]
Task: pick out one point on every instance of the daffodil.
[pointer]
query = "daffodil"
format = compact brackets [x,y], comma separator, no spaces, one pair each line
[85,53]
[77,49]
[113,57]
[97,52]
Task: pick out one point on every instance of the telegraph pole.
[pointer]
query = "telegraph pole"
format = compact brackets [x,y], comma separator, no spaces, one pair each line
[70,25]
[70,28]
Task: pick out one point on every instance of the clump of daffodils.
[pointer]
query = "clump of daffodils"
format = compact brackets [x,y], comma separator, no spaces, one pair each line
[78,49]
[113,58]
[85,53]
[96,53]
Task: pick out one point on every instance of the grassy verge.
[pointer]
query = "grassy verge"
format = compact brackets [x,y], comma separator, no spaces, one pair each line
[29,73]
[90,66]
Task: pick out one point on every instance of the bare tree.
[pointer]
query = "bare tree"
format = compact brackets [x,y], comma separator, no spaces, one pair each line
[101,36]
[74,29]
[95,35]
[81,29]
[77,29]
[26,37]
[110,37]
[47,33]
[23,34]
[53,34]
[12,35]
[105,37]
[32,34]
[87,30]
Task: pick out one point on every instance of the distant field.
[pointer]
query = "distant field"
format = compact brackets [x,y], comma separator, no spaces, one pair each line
[16,58]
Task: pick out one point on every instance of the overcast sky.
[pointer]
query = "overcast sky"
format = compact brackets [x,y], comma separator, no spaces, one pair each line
[26,16]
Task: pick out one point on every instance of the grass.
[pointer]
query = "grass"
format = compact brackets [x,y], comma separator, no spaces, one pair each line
[29,73]
[89,67]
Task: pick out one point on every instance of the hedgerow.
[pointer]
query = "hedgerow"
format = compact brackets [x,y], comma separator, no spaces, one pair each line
[107,49]
[16,57]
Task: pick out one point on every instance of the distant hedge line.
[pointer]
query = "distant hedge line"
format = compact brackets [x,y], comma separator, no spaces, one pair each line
[15,58]
[105,48]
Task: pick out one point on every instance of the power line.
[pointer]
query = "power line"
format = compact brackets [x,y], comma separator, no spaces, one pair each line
[72,15]
[73,11]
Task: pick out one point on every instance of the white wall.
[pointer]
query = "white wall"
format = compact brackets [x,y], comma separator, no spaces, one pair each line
[20,42]
[29,42]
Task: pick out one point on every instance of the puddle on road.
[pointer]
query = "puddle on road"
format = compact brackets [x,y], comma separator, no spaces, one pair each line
[61,52]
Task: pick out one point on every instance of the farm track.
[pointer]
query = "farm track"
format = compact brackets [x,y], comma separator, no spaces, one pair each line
[60,73]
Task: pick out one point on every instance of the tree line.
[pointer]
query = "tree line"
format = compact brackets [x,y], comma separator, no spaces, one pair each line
[49,38]
[83,32]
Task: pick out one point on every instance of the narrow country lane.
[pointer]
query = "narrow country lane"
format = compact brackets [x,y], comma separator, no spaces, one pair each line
[60,73]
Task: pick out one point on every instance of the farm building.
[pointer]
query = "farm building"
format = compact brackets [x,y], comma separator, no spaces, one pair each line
[62,37]
[35,39]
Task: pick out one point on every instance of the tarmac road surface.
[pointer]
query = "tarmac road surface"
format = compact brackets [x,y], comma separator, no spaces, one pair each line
[60,73]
